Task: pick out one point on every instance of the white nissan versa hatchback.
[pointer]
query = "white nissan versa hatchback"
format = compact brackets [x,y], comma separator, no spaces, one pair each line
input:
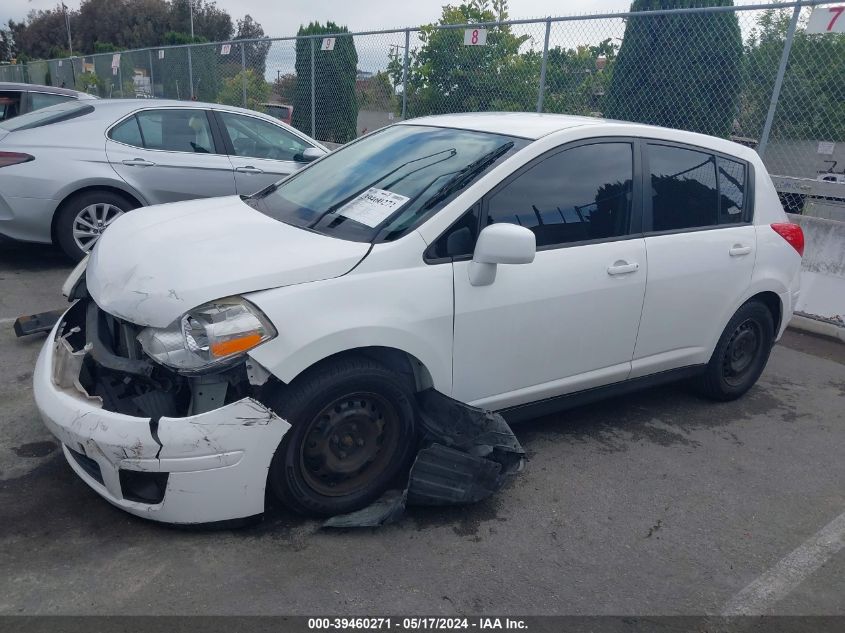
[515,262]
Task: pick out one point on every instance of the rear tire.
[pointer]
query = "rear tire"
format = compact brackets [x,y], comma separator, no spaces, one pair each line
[741,353]
[88,212]
[352,434]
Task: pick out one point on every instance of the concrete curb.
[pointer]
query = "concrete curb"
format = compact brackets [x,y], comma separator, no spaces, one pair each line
[818,327]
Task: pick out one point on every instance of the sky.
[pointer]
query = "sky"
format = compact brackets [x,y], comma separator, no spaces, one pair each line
[283,18]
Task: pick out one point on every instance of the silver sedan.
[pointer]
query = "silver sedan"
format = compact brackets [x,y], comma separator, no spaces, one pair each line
[67,171]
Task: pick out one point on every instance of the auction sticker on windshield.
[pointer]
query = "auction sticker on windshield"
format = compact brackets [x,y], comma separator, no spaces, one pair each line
[372,207]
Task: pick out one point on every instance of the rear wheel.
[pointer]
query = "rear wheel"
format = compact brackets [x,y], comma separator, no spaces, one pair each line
[352,434]
[741,354]
[83,217]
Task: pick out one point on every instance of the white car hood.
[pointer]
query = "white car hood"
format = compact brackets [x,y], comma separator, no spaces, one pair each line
[154,264]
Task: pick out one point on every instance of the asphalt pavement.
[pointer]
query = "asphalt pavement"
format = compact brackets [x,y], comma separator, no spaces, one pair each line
[655,503]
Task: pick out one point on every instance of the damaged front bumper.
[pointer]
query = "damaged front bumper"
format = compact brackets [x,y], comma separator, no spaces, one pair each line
[200,468]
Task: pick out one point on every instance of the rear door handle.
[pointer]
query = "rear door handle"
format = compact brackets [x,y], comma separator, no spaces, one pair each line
[138,162]
[738,250]
[622,268]
[249,169]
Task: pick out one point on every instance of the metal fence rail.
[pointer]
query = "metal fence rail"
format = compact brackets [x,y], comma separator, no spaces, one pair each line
[752,73]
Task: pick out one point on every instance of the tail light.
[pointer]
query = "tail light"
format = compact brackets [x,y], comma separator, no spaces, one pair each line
[792,233]
[14,158]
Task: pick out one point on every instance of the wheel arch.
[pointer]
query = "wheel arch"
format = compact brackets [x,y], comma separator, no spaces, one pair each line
[110,187]
[397,360]
[773,302]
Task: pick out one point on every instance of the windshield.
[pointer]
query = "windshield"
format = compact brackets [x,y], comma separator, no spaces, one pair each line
[378,188]
[45,116]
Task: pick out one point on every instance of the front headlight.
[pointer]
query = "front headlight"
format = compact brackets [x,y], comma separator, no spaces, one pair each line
[208,336]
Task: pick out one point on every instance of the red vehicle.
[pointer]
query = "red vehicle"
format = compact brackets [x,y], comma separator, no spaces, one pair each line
[279,111]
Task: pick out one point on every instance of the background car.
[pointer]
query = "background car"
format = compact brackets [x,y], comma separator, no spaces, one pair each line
[17,99]
[67,171]
[279,111]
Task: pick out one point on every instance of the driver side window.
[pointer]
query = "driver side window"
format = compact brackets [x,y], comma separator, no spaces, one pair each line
[256,138]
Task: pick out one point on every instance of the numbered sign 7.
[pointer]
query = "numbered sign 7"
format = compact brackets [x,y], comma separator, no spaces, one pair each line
[827,20]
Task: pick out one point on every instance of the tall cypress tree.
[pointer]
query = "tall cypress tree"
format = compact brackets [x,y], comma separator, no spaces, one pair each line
[336,108]
[680,71]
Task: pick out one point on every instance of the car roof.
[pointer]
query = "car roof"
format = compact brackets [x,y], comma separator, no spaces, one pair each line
[14,86]
[129,105]
[525,124]
[532,125]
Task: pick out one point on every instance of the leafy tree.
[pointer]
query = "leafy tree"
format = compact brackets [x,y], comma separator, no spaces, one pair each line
[446,76]
[577,79]
[210,22]
[811,104]
[257,90]
[43,34]
[126,24]
[89,82]
[679,71]
[8,49]
[376,93]
[284,88]
[336,110]
[256,52]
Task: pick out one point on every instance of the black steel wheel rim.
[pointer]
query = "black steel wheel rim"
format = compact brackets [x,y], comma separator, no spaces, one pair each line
[742,350]
[349,443]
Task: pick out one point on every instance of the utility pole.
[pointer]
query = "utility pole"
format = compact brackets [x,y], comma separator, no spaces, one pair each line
[190,65]
[67,24]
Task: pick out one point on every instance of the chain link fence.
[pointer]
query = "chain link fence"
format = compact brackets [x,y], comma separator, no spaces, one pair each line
[751,73]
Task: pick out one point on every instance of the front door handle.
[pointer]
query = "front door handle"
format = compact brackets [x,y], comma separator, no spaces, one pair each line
[622,267]
[249,169]
[738,250]
[138,162]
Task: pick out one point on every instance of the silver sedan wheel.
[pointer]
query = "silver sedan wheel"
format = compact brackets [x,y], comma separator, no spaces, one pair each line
[91,221]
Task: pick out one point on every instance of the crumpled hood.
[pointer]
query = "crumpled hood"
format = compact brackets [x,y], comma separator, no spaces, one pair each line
[156,263]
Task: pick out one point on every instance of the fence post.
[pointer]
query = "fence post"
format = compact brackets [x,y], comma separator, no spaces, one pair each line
[190,74]
[243,70]
[405,74]
[152,78]
[542,90]
[784,60]
[313,102]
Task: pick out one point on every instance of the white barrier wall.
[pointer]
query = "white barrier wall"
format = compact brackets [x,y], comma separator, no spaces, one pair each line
[823,274]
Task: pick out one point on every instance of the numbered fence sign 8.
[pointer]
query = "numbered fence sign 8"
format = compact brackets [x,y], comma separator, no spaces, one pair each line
[475,37]
[225,49]
[827,20]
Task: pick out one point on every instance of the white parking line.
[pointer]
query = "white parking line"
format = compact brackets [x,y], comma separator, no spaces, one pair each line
[790,572]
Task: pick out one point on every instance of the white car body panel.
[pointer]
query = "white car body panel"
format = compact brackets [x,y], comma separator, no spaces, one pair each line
[392,299]
[558,325]
[154,282]
[560,318]
[677,326]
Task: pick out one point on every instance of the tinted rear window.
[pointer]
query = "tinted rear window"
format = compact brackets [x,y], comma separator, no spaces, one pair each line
[47,116]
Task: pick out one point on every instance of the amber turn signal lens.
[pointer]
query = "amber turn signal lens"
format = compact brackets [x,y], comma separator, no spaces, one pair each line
[235,345]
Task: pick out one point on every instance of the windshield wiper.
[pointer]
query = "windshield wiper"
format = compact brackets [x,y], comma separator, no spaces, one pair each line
[450,151]
[467,174]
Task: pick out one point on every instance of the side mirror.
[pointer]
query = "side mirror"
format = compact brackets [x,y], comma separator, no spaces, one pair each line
[311,154]
[500,244]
